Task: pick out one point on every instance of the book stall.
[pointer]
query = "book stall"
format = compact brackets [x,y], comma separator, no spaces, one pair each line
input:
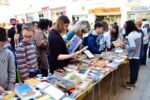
[87,77]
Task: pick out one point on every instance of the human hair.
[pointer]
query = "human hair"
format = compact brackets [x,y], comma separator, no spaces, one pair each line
[13,21]
[50,23]
[105,24]
[98,24]
[130,26]
[3,36]
[138,22]
[83,26]
[59,25]
[43,24]
[19,28]
[35,22]
[28,27]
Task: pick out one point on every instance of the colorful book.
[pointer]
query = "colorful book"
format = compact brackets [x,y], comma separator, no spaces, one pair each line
[74,44]
[26,92]
[32,81]
[89,54]
[66,84]
[73,77]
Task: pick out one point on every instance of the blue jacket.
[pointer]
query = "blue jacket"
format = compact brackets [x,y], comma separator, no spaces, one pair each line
[93,44]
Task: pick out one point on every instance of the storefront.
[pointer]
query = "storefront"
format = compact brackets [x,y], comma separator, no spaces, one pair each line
[45,13]
[139,12]
[55,12]
[109,14]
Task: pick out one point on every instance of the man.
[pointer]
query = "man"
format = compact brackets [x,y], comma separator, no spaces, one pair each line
[7,64]
[26,53]
[96,43]
[11,33]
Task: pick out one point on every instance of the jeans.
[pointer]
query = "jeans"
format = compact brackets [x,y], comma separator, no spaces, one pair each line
[143,59]
[134,69]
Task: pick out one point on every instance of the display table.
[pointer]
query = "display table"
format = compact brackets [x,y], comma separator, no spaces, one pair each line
[107,75]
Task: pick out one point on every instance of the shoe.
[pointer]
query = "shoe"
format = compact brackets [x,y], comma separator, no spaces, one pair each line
[133,85]
[129,86]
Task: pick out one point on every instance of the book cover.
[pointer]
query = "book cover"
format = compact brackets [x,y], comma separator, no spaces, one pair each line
[89,54]
[73,77]
[43,85]
[74,44]
[66,84]
[53,91]
[53,79]
[32,81]
[25,89]
[26,92]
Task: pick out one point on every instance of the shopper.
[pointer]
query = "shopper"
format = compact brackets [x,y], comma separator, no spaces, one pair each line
[133,47]
[11,33]
[26,55]
[96,42]
[145,41]
[41,42]
[58,53]
[7,64]
[79,29]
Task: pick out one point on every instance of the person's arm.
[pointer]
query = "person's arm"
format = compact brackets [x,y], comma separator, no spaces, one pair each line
[91,45]
[11,71]
[1,89]
[21,62]
[56,51]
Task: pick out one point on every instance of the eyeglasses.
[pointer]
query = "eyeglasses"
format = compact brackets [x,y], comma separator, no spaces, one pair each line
[28,36]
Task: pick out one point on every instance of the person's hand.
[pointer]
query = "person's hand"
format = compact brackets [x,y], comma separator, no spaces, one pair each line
[125,42]
[11,86]
[74,54]
[1,89]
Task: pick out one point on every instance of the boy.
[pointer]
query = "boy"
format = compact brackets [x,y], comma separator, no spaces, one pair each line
[26,55]
[96,40]
[7,64]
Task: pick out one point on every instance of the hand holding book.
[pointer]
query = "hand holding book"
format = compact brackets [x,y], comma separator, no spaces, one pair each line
[78,52]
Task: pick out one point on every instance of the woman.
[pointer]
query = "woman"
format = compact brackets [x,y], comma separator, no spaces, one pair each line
[79,29]
[133,47]
[58,53]
[41,42]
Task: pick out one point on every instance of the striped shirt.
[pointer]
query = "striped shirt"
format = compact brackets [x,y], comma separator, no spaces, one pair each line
[26,58]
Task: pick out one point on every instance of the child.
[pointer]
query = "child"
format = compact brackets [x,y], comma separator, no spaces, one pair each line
[7,64]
